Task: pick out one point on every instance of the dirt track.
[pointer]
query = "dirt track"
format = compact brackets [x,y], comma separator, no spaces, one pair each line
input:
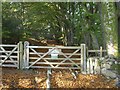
[13,78]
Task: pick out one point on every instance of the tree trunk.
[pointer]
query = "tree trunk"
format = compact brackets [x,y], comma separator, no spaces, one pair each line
[110,27]
[101,11]
[119,36]
[0,23]
[118,14]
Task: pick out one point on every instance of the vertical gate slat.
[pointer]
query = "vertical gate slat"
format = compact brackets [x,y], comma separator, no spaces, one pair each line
[96,64]
[18,56]
[88,66]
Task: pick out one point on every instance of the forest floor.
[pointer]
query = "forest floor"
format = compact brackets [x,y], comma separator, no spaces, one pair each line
[13,78]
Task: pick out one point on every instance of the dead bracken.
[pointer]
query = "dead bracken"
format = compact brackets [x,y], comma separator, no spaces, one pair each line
[13,78]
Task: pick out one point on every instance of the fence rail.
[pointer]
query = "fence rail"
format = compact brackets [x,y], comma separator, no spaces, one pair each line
[97,51]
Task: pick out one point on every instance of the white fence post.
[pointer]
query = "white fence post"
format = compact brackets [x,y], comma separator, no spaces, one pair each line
[20,55]
[83,59]
[96,66]
[88,65]
[49,72]
[26,54]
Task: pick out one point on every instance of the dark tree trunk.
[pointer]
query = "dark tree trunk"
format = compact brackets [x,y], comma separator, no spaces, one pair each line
[102,24]
[118,14]
[119,34]
[70,27]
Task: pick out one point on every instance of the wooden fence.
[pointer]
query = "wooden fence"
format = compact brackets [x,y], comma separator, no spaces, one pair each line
[94,57]
[56,57]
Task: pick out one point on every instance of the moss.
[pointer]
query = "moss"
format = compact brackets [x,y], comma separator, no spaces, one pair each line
[116,67]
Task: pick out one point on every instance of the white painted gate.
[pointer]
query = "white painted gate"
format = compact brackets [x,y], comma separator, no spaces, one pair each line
[10,55]
[55,57]
[59,57]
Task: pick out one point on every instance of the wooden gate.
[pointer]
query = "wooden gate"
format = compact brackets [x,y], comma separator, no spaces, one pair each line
[59,57]
[10,55]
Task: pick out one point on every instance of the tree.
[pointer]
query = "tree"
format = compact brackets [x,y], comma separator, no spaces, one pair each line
[70,23]
[109,25]
[118,19]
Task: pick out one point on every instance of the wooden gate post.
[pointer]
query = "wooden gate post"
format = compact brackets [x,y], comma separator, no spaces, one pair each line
[83,59]
[26,54]
[49,72]
[20,55]
[101,52]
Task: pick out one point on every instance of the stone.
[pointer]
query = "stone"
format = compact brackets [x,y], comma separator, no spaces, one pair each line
[108,73]
[118,81]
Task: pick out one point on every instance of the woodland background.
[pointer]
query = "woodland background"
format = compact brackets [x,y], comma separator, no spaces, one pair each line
[66,23]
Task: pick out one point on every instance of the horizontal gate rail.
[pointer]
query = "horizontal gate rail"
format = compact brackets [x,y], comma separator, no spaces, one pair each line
[59,54]
[59,47]
[74,59]
[8,52]
[9,56]
[53,63]
[55,67]
[3,45]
